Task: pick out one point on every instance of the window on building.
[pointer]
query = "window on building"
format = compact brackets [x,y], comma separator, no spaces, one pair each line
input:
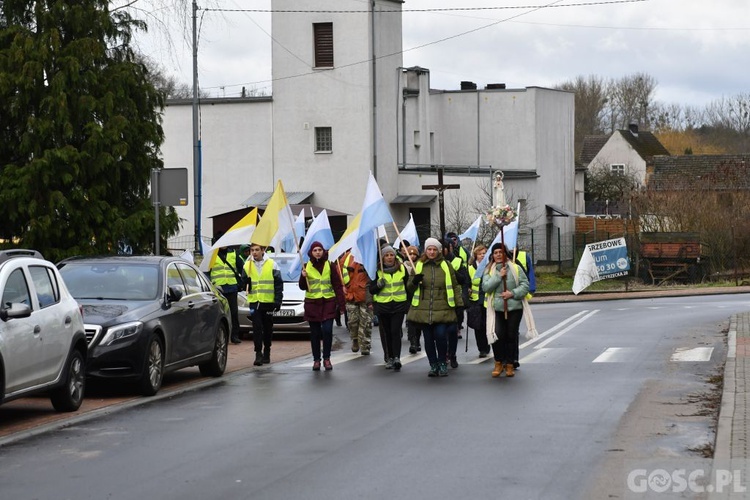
[323,139]
[617,168]
[323,39]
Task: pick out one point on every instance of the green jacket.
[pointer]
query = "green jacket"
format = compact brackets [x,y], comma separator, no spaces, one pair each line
[493,282]
[433,304]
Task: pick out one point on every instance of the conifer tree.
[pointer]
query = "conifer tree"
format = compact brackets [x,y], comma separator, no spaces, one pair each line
[80,130]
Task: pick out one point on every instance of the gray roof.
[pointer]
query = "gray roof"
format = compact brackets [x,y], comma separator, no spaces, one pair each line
[694,172]
[644,143]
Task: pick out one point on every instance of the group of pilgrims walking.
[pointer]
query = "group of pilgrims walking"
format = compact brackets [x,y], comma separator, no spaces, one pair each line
[433,291]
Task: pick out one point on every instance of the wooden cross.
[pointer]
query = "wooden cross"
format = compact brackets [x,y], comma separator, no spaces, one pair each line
[440,187]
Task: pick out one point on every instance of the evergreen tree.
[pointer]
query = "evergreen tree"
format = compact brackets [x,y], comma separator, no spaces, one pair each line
[80,130]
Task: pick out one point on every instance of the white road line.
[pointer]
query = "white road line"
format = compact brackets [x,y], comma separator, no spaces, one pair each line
[694,354]
[546,355]
[412,358]
[552,330]
[566,330]
[616,355]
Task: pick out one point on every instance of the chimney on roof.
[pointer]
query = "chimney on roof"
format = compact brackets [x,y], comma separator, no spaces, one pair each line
[468,85]
[634,129]
[494,86]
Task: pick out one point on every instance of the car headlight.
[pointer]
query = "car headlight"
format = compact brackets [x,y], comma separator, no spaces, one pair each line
[119,332]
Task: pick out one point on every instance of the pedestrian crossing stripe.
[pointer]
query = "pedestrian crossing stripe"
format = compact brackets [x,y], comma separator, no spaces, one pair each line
[539,355]
[694,354]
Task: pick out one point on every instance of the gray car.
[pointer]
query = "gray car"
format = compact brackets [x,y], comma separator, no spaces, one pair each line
[42,340]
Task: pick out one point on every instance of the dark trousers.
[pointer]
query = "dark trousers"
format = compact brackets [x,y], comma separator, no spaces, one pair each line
[506,330]
[262,329]
[232,299]
[480,334]
[452,333]
[413,332]
[390,326]
[321,331]
[436,341]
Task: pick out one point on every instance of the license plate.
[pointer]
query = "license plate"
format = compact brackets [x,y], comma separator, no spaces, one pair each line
[284,312]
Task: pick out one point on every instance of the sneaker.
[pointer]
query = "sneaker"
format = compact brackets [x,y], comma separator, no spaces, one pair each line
[355,345]
[433,370]
[236,340]
[327,365]
[396,364]
[389,363]
[412,349]
[454,362]
[258,359]
[483,354]
[443,370]
[316,366]
[365,352]
[419,348]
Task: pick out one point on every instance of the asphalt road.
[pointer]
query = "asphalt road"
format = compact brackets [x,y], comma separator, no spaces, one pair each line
[361,431]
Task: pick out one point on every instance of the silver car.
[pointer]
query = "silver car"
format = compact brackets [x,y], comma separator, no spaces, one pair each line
[289,317]
[42,339]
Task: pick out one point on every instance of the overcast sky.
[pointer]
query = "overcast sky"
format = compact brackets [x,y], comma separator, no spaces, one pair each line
[696,50]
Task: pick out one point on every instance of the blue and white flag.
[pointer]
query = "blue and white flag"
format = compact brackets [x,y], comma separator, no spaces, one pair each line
[409,233]
[375,213]
[473,230]
[375,210]
[319,230]
[289,245]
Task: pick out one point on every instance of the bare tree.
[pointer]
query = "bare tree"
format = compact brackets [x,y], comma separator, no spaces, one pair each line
[629,100]
[590,99]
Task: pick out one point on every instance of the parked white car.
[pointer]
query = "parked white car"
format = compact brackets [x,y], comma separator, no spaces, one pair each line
[289,317]
[42,338]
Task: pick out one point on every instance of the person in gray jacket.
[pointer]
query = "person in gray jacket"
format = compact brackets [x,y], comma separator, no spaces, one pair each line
[507,301]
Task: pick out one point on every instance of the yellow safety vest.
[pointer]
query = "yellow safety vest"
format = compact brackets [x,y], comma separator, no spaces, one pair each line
[448,284]
[344,272]
[476,281]
[221,273]
[319,285]
[394,290]
[261,286]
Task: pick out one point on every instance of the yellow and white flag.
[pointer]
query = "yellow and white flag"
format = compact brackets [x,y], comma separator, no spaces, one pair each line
[238,234]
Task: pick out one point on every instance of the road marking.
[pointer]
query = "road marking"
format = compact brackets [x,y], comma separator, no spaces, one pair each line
[616,355]
[692,354]
[552,330]
[546,355]
[564,331]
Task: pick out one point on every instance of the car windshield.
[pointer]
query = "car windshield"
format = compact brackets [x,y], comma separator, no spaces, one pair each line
[113,281]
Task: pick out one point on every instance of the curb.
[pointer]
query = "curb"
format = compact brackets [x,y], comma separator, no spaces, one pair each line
[723,447]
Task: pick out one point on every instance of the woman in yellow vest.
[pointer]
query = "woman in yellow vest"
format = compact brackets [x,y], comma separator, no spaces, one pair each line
[502,328]
[389,298]
[324,300]
[436,296]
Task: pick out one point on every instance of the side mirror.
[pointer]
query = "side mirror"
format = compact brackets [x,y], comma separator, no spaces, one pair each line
[175,293]
[15,311]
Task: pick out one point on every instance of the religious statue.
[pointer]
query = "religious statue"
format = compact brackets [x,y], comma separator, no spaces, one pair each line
[498,196]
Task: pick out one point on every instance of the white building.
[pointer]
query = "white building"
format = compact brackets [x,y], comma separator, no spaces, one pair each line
[343,105]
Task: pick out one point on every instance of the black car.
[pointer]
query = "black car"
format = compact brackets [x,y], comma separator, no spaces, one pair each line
[147,316]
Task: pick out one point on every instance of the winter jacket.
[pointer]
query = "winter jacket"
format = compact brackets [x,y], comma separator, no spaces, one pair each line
[492,281]
[321,309]
[356,290]
[433,304]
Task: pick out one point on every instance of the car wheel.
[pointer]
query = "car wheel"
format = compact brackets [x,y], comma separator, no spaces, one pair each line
[153,374]
[69,396]
[218,363]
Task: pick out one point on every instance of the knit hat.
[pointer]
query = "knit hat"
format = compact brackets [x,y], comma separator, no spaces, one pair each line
[387,249]
[413,249]
[316,244]
[433,242]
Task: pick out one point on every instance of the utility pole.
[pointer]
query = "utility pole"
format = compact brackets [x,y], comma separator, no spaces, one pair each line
[198,250]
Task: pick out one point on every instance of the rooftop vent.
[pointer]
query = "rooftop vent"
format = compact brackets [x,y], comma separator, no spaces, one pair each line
[495,86]
[634,129]
[468,86]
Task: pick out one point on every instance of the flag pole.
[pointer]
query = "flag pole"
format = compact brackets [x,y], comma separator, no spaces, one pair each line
[401,240]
